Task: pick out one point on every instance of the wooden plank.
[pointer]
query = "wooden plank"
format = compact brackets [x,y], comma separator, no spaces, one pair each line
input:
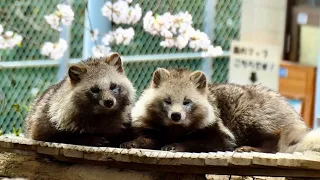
[241,159]
[288,160]
[33,167]
[216,159]
[93,156]
[47,150]
[71,153]
[307,160]
[264,159]
[186,158]
[311,160]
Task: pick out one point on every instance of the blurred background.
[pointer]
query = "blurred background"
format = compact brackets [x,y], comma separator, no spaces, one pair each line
[26,70]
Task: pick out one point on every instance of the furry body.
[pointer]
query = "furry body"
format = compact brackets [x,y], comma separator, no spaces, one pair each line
[220,116]
[258,117]
[91,106]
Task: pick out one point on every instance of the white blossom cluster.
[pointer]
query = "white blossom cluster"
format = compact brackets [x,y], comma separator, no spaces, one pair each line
[100,51]
[62,16]
[177,31]
[9,39]
[212,51]
[167,25]
[54,50]
[121,13]
[118,36]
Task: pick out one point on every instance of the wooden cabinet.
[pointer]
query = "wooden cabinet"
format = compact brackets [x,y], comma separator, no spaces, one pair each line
[298,82]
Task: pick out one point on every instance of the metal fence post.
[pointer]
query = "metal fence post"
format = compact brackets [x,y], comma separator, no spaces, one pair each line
[63,62]
[96,20]
[209,23]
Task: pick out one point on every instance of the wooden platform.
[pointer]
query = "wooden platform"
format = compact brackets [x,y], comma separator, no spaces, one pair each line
[224,163]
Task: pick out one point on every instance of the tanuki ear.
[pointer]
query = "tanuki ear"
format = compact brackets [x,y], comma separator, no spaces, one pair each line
[199,79]
[115,60]
[159,75]
[75,72]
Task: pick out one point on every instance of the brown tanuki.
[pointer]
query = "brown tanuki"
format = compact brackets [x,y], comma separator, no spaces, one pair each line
[180,111]
[90,106]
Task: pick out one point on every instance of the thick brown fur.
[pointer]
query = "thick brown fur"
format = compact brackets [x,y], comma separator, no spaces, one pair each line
[200,130]
[258,117]
[249,116]
[90,106]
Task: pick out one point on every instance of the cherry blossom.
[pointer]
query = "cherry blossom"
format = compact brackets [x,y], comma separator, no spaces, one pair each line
[65,13]
[54,50]
[199,40]
[100,51]
[212,51]
[119,36]
[106,39]
[63,16]
[54,21]
[9,39]
[177,31]
[121,13]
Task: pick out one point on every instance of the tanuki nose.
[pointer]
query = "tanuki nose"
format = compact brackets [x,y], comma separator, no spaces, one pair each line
[108,103]
[176,116]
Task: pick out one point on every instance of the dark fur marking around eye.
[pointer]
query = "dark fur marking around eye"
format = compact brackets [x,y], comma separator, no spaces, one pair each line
[93,93]
[115,88]
[95,89]
[187,102]
[167,100]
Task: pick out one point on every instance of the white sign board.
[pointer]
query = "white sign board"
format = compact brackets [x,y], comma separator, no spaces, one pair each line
[253,63]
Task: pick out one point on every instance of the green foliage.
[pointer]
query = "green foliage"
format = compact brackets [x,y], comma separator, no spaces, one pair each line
[16,132]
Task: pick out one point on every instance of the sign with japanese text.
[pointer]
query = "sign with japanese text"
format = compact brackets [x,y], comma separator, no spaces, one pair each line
[254,63]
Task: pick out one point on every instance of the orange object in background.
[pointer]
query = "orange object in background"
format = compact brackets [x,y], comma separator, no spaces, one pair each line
[298,82]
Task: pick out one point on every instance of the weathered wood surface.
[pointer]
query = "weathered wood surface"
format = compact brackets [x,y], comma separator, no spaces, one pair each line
[226,163]
[17,165]
[32,167]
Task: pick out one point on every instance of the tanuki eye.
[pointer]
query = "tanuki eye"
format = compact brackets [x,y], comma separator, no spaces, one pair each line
[113,86]
[167,101]
[187,102]
[95,90]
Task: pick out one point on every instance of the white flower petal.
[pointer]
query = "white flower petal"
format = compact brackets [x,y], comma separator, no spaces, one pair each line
[8,33]
[54,50]
[67,14]
[54,21]
[212,51]
[119,36]
[100,51]
[47,48]
[107,9]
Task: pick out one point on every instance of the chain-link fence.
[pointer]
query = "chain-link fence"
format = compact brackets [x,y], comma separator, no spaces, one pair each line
[20,85]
